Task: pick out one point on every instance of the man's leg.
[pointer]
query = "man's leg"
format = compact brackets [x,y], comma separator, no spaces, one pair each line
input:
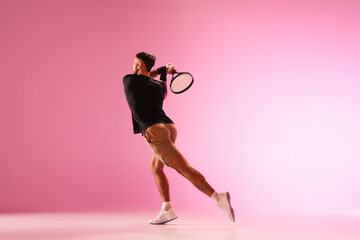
[166,213]
[157,136]
[222,200]
[157,169]
[195,177]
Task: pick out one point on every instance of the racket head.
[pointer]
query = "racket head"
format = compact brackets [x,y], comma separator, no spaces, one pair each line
[181,81]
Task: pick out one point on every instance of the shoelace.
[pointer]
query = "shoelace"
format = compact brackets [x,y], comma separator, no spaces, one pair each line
[160,216]
[221,206]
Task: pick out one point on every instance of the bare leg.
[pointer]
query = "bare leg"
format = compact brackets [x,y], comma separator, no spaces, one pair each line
[195,177]
[160,178]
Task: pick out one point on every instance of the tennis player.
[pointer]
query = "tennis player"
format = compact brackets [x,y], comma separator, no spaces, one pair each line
[145,97]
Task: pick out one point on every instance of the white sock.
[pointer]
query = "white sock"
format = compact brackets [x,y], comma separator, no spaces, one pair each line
[166,206]
[215,197]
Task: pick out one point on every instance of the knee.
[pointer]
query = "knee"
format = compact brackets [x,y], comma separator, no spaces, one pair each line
[156,166]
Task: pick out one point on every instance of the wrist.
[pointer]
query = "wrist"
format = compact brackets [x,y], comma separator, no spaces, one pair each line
[161,70]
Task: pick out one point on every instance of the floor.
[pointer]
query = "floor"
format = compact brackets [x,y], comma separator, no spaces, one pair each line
[111,226]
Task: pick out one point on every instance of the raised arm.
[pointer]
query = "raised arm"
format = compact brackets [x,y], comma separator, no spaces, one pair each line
[169,68]
[163,71]
[153,73]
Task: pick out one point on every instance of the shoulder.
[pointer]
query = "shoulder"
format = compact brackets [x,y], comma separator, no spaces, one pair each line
[129,76]
[134,76]
[129,79]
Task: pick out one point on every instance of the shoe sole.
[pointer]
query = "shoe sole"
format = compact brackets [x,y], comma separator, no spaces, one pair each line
[162,223]
[232,216]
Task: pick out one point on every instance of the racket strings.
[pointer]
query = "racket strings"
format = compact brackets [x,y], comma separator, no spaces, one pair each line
[181,82]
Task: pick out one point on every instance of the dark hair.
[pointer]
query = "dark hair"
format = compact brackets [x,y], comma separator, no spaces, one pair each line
[147,58]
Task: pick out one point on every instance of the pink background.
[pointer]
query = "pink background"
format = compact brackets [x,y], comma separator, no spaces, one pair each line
[273,116]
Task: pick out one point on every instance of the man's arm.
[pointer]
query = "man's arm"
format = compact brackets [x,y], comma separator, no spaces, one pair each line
[153,73]
[164,80]
[169,69]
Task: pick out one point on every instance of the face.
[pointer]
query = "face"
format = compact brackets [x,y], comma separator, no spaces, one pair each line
[137,65]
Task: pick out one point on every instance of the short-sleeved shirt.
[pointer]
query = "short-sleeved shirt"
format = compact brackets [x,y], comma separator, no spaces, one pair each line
[145,97]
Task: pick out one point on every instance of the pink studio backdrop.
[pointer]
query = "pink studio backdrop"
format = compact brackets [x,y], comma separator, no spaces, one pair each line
[273,116]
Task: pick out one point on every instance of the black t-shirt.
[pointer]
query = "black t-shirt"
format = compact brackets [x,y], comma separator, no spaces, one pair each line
[145,97]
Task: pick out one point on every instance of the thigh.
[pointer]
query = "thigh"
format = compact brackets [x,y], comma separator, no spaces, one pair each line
[173,131]
[180,164]
[160,139]
[157,134]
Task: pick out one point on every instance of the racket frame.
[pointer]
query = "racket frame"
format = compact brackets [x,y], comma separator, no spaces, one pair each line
[179,74]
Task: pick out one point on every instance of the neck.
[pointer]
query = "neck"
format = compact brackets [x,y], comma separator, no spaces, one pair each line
[143,72]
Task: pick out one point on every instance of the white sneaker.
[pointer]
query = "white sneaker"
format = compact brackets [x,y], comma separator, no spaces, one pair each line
[164,217]
[224,204]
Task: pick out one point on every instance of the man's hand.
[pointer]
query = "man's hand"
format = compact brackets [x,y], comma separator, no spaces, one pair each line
[170,69]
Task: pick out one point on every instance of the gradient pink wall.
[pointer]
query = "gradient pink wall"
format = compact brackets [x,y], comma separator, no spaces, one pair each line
[273,116]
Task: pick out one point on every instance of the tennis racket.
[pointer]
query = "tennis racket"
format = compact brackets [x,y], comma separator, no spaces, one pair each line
[181,81]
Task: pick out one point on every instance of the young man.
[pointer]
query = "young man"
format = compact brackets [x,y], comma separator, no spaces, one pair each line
[145,97]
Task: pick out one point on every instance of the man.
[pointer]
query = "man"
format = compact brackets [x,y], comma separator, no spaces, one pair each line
[145,97]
